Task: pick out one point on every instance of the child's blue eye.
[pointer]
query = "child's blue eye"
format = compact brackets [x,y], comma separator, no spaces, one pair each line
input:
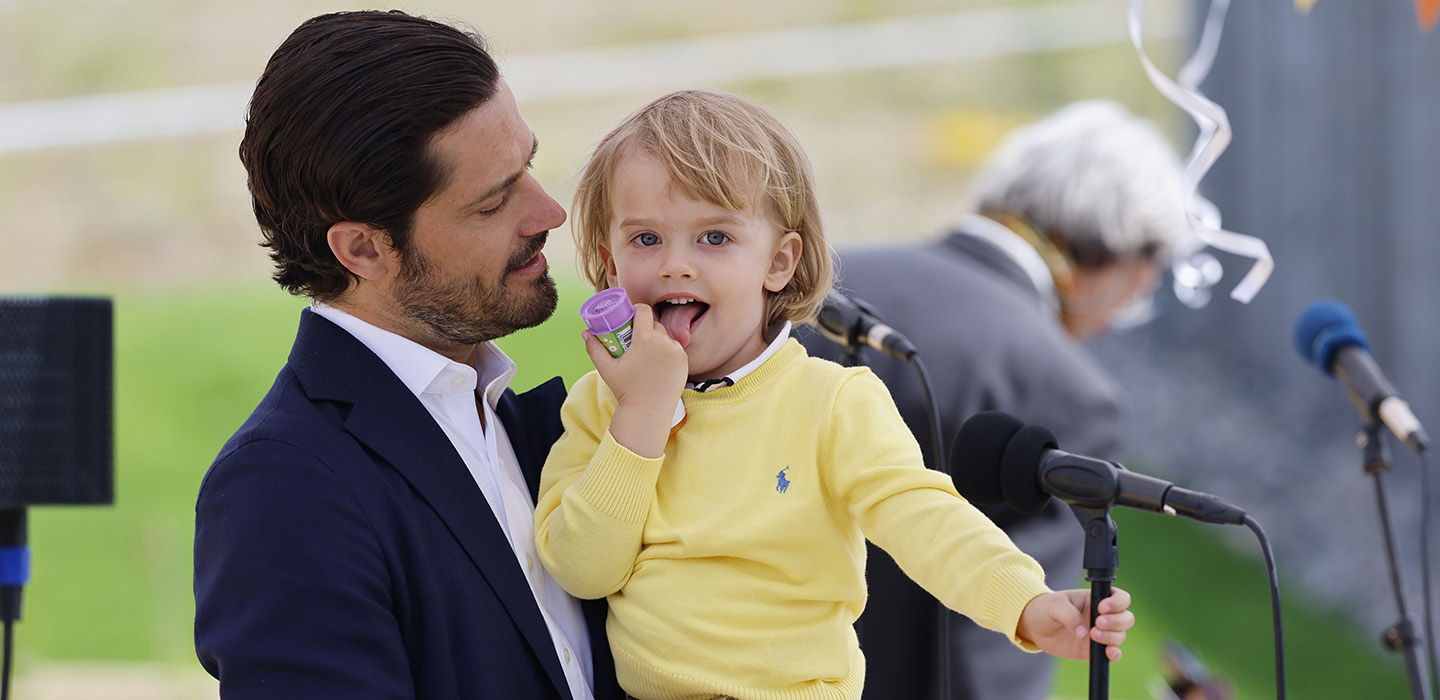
[647,239]
[715,237]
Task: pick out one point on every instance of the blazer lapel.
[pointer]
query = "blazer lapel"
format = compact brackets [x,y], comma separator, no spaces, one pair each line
[387,418]
[532,420]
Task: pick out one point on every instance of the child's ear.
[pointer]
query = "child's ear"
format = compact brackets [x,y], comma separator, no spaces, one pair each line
[784,261]
[611,275]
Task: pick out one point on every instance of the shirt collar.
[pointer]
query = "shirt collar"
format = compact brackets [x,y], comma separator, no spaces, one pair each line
[729,380]
[1017,249]
[421,368]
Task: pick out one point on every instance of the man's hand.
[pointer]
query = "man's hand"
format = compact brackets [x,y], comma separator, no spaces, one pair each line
[1058,623]
[647,381]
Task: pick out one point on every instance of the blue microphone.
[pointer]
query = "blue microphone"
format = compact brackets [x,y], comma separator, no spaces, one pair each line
[1328,335]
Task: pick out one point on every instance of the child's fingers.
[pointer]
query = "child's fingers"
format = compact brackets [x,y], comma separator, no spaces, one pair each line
[1118,600]
[595,349]
[645,318]
[1108,637]
[1116,622]
[1114,619]
[649,331]
[646,326]
[1110,630]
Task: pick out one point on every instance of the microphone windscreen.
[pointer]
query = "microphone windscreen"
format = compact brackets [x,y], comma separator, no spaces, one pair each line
[838,316]
[976,454]
[1020,469]
[1323,328]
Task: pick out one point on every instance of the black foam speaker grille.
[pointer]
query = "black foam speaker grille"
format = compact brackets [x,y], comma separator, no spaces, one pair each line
[56,401]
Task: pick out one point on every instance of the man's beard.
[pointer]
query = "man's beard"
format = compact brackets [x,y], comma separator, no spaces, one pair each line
[466,313]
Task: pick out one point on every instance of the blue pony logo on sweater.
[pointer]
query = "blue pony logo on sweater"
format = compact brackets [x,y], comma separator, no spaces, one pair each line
[783,483]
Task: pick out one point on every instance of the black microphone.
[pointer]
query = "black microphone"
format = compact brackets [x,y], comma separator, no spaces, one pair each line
[1328,335]
[999,459]
[851,324]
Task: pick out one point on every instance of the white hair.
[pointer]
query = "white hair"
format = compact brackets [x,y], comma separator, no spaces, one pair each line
[1095,179]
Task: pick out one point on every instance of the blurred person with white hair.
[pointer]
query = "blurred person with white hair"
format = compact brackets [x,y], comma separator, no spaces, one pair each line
[1071,220]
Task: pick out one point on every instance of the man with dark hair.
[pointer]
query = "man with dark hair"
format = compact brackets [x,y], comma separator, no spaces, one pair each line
[368,532]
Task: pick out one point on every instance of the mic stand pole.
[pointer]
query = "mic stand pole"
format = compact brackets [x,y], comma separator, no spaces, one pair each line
[1401,636]
[14,572]
[1102,556]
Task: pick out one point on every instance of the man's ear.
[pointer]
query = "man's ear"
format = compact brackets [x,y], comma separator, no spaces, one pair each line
[783,261]
[362,249]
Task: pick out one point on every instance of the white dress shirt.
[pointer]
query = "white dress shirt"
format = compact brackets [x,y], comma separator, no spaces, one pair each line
[771,348]
[447,389]
[730,379]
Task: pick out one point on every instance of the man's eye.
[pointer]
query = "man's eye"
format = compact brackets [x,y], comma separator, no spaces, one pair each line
[715,237]
[495,208]
[647,239]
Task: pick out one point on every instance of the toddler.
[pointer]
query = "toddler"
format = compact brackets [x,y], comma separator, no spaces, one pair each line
[715,482]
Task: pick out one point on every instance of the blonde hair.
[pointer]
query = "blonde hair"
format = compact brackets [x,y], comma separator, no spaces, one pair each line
[725,150]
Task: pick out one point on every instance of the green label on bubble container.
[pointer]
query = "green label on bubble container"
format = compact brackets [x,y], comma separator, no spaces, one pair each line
[617,340]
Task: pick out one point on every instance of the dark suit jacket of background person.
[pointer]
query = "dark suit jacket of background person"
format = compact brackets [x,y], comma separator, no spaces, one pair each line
[343,550]
[989,342]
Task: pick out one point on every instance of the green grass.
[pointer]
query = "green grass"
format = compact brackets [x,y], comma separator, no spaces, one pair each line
[113,583]
[1189,585]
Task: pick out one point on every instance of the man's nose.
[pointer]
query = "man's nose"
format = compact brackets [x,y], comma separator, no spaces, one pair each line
[546,213]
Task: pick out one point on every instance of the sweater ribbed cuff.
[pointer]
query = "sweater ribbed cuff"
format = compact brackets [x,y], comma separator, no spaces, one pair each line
[619,482]
[1011,590]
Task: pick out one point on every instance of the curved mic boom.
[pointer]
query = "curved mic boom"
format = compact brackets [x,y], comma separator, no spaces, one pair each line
[999,459]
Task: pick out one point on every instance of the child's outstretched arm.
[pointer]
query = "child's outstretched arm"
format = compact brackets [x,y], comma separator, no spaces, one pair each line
[1057,623]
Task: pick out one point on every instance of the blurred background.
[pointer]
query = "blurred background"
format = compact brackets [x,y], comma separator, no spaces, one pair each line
[119,122]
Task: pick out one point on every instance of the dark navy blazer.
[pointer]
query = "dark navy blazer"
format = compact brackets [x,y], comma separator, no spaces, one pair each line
[343,550]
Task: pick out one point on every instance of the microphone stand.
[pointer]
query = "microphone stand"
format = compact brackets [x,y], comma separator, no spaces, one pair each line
[14,572]
[1401,636]
[1102,557]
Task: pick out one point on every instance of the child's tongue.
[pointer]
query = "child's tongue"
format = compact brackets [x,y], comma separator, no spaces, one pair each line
[677,319]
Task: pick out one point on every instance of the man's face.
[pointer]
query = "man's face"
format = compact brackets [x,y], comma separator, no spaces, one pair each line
[474,270]
[1099,294]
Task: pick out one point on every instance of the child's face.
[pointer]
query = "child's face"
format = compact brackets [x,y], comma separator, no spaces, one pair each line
[666,247]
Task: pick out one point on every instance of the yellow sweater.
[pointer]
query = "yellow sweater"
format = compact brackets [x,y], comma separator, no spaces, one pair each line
[735,564]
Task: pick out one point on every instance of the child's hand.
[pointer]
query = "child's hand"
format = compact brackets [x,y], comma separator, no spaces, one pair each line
[647,381]
[1056,622]
[653,369]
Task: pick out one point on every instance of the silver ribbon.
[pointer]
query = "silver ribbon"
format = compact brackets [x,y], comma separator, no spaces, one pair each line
[1213,139]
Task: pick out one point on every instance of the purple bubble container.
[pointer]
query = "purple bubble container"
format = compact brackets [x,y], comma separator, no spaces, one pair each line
[608,316]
